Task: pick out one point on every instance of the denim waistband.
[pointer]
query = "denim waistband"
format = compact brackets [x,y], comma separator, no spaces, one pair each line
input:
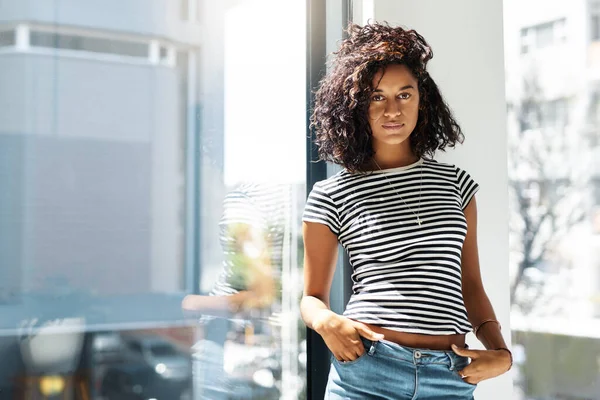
[386,348]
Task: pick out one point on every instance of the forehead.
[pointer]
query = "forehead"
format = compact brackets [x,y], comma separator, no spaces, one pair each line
[393,75]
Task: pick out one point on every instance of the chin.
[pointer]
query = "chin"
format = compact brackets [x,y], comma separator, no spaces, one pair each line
[394,140]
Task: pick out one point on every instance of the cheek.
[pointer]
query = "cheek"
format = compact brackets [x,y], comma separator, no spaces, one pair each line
[413,110]
[375,112]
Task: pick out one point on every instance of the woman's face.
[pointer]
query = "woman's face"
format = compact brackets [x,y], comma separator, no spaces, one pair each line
[394,105]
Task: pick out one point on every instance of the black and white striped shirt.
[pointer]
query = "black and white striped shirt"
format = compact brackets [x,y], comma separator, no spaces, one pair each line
[253,214]
[405,277]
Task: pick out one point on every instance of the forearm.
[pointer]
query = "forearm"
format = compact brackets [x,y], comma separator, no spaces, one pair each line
[480,310]
[213,304]
[314,311]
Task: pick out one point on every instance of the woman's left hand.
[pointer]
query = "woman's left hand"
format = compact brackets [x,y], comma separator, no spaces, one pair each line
[485,364]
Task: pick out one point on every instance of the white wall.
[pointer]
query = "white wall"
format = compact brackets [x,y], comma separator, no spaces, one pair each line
[468,65]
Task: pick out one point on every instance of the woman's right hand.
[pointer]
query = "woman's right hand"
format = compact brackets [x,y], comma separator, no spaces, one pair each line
[342,335]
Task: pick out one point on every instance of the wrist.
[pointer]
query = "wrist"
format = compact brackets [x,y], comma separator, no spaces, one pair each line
[322,320]
[507,353]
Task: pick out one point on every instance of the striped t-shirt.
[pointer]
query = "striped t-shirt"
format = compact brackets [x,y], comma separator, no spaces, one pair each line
[255,213]
[405,277]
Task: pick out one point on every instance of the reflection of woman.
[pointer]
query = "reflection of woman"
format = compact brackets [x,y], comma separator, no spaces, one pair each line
[408,224]
[251,233]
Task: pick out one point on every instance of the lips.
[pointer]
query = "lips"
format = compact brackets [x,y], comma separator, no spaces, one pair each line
[393,125]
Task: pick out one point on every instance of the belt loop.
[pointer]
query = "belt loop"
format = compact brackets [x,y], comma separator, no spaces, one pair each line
[372,348]
[449,354]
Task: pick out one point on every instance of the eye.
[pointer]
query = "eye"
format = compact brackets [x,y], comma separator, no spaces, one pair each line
[404,96]
[377,97]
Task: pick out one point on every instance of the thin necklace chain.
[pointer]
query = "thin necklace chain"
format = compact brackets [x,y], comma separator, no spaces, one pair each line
[419,221]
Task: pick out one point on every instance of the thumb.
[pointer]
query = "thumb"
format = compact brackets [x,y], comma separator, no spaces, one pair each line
[464,352]
[365,332]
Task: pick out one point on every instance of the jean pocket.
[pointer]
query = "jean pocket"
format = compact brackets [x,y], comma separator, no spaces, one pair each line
[460,364]
[352,362]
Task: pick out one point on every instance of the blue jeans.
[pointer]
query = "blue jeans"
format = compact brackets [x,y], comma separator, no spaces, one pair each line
[388,371]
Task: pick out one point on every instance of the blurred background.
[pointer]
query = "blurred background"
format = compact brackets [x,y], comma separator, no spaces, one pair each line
[552,58]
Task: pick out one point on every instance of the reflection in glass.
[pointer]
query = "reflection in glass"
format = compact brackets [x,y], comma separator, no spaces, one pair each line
[7,38]
[240,322]
[92,187]
[124,133]
[252,188]
[87,43]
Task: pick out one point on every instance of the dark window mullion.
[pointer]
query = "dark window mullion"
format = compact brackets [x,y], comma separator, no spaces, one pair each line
[318,22]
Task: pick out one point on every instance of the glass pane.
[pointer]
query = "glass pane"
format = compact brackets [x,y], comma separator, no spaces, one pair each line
[164,52]
[184,12]
[125,187]
[252,190]
[7,38]
[93,224]
[86,43]
[545,34]
[595,27]
[554,178]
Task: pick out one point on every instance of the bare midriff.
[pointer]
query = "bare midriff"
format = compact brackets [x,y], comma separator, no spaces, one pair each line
[420,341]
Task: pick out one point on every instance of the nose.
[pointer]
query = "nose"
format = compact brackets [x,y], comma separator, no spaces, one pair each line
[392,109]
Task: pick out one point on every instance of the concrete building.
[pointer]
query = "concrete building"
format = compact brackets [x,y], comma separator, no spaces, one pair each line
[98,100]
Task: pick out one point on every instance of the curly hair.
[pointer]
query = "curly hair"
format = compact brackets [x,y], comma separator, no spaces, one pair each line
[339,117]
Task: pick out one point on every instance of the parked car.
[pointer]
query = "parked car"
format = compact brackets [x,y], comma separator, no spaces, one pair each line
[129,382]
[154,351]
[151,367]
[107,347]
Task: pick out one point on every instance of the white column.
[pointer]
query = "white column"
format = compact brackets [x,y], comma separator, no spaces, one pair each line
[154,52]
[22,37]
[468,65]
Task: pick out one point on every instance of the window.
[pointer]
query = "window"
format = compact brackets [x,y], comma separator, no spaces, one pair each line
[135,348]
[594,14]
[7,38]
[164,52]
[593,120]
[595,27]
[544,115]
[162,350]
[129,185]
[554,180]
[190,10]
[184,7]
[92,44]
[542,35]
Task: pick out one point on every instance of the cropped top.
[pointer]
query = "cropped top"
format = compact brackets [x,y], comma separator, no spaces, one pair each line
[406,277]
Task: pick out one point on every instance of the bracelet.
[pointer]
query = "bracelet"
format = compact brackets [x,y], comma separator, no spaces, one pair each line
[484,322]
[509,353]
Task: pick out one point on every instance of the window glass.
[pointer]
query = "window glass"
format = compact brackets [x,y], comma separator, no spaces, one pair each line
[85,43]
[7,38]
[554,204]
[127,186]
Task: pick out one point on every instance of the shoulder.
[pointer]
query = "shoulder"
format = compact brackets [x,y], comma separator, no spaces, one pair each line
[440,169]
[444,168]
[336,182]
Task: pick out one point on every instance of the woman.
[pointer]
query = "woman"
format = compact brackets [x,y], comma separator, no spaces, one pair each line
[251,234]
[408,224]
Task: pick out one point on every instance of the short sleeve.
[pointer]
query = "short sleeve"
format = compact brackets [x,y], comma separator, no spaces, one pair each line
[239,208]
[467,187]
[242,226]
[320,208]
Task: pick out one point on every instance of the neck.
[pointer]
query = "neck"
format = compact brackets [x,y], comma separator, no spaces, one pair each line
[394,161]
